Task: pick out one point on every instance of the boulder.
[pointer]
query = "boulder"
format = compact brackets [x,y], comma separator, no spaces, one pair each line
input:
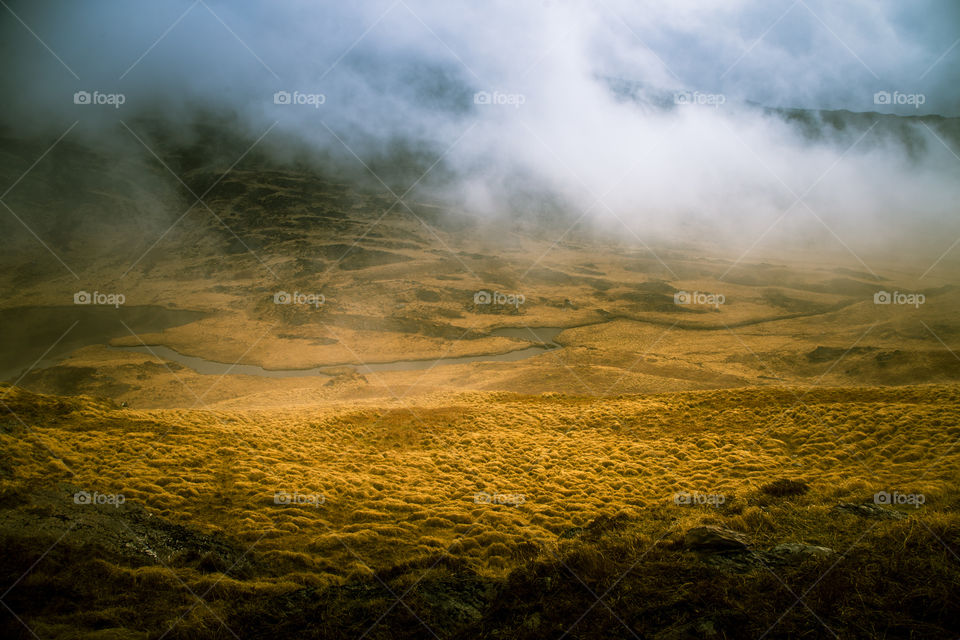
[796,553]
[870,510]
[712,538]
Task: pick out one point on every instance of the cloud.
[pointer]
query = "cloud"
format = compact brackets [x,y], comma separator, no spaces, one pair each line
[582,98]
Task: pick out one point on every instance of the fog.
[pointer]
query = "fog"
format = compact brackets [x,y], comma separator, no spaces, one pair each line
[662,118]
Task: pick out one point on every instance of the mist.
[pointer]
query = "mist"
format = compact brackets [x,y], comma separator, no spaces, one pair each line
[671,121]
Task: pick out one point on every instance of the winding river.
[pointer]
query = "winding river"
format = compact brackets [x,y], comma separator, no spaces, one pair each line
[37,337]
[544,336]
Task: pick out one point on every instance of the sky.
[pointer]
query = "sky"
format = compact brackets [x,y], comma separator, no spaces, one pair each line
[640,111]
[809,53]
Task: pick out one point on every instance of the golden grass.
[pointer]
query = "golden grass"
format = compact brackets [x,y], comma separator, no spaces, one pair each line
[400,484]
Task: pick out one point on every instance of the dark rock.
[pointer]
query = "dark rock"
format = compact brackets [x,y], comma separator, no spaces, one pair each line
[786,553]
[711,538]
[870,510]
[795,553]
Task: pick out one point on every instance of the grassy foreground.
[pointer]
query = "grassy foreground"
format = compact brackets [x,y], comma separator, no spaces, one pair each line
[486,515]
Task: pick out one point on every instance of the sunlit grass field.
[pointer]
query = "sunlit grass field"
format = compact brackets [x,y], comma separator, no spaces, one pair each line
[331,496]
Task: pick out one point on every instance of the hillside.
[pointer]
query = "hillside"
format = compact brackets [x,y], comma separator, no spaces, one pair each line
[479,508]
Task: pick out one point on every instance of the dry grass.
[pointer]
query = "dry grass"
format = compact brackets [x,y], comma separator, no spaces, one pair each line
[399,484]
[597,478]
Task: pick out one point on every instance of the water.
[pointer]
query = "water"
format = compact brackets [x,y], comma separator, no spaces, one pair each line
[542,335]
[37,337]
